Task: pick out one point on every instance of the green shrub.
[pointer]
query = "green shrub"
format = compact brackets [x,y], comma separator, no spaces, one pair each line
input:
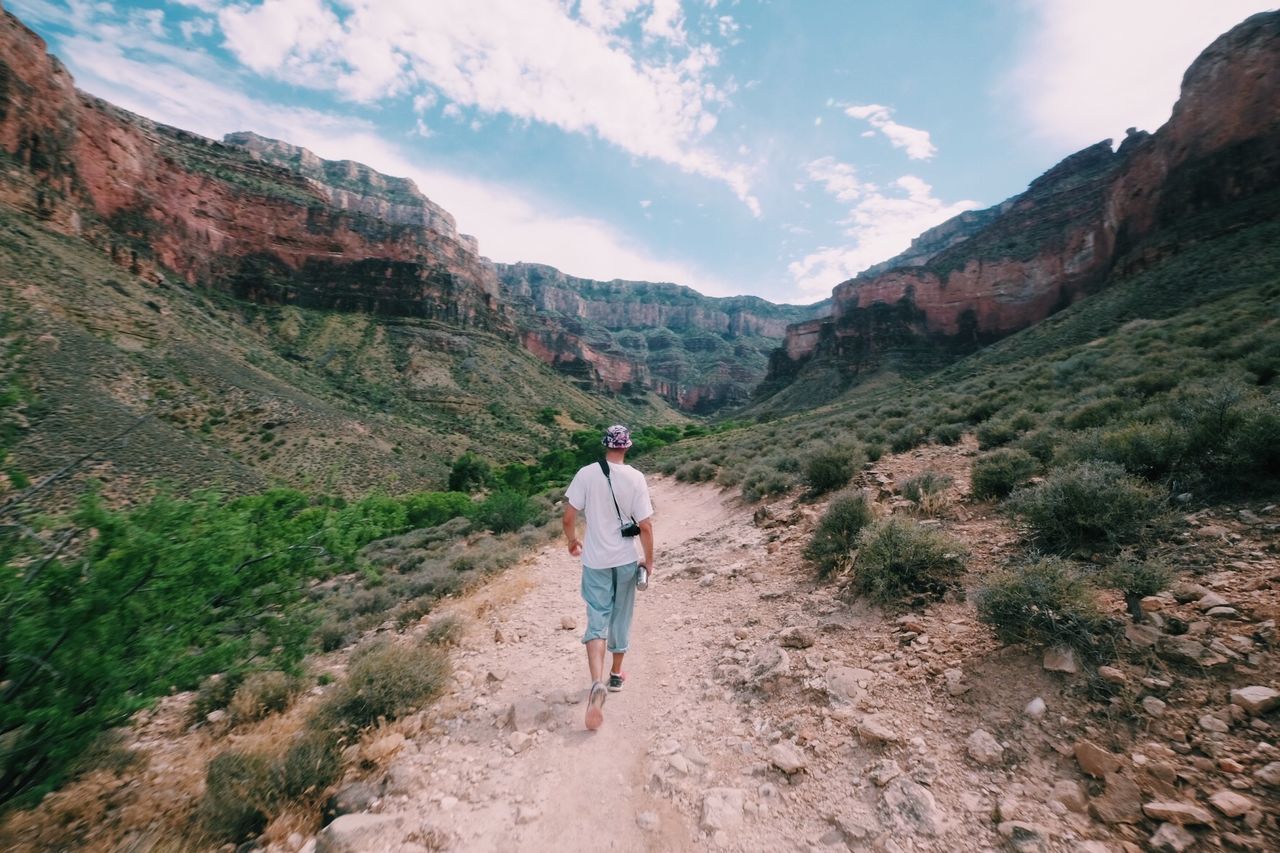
[215,693]
[874,451]
[1046,602]
[897,556]
[242,792]
[428,509]
[1089,505]
[1149,450]
[312,763]
[385,681]
[996,434]
[332,635]
[948,434]
[445,631]
[695,471]
[998,473]
[828,470]
[926,484]
[1095,413]
[910,436]
[1041,443]
[469,473]
[831,547]
[1135,579]
[506,511]
[762,481]
[260,694]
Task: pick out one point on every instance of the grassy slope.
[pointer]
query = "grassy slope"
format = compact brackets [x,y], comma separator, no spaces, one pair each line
[242,397]
[1206,316]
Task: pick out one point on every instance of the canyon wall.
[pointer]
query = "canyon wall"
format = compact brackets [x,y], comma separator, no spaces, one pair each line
[1098,213]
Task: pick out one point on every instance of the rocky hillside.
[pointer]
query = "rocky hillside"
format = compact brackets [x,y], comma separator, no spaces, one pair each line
[1095,217]
[698,353]
[242,313]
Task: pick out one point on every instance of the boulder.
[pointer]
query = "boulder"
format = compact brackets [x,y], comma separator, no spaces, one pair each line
[910,808]
[1176,811]
[1070,794]
[787,757]
[351,799]
[1095,760]
[357,833]
[1023,837]
[1268,774]
[875,729]
[1256,699]
[796,637]
[1061,659]
[1121,802]
[1231,803]
[1171,838]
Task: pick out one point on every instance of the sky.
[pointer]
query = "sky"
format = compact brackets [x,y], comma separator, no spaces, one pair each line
[768,147]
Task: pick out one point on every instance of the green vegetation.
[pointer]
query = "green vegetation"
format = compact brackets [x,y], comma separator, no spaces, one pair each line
[928,490]
[1136,579]
[1046,602]
[1088,505]
[998,473]
[898,557]
[836,535]
[386,681]
[830,469]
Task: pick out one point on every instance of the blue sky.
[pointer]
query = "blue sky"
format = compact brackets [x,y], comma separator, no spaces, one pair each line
[736,146]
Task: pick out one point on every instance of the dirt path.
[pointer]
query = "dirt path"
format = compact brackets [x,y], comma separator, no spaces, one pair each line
[547,784]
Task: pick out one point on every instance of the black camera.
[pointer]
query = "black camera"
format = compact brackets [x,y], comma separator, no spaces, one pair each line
[631,529]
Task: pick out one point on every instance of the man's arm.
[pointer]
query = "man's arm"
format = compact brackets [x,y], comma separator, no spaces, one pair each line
[570,522]
[646,542]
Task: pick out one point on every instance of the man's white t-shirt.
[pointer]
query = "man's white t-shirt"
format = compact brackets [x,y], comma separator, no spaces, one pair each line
[605,547]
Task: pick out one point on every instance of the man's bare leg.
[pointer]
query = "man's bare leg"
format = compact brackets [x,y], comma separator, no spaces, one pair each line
[617,663]
[595,659]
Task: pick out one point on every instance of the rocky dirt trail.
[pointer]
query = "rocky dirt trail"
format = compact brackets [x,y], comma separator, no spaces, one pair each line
[764,713]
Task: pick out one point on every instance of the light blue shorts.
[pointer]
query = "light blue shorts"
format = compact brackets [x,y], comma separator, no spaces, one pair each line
[611,597]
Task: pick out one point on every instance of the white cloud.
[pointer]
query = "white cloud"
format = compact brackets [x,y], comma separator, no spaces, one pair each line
[645,202]
[529,59]
[914,141]
[1091,68]
[880,224]
[196,27]
[509,226]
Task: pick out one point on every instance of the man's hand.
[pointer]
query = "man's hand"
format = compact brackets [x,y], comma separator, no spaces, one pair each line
[575,548]
[570,523]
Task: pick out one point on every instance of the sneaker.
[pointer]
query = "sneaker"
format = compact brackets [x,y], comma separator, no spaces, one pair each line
[616,680]
[595,705]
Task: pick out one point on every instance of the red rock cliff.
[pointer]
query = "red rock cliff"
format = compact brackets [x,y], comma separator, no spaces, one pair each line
[986,275]
[225,215]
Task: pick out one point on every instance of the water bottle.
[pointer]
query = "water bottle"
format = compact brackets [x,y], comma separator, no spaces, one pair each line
[642,577]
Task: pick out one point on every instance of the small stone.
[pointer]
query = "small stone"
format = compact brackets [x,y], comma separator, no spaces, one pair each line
[1171,838]
[984,749]
[1211,723]
[1142,636]
[1153,706]
[796,637]
[787,757]
[1112,675]
[1231,804]
[707,580]
[1061,659]
[884,771]
[1177,812]
[527,814]
[519,741]
[528,714]
[353,833]
[1070,794]
[722,808]
[874,728]
[1023,837]
[1095,760]
[1210,601]
[351,799]
[911,807]
[1268,774]
[568,623]
[1222,612]
[1151,604]
[1035,708]
[1121,802]
[647,821]
[216,716]
[1185,591]
[1256,699]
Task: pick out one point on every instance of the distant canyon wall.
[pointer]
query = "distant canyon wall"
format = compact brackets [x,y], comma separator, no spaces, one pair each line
[987,274]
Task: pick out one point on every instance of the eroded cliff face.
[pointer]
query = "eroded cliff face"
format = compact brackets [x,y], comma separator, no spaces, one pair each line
[265,220]
[1097,214]
[698,353]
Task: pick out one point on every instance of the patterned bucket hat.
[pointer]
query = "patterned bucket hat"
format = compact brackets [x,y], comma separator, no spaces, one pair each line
[617,437]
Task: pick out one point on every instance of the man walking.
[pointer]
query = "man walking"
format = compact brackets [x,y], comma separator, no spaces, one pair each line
[614,499]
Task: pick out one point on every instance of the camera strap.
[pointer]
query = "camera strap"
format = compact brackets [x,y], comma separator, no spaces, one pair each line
[604,466]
